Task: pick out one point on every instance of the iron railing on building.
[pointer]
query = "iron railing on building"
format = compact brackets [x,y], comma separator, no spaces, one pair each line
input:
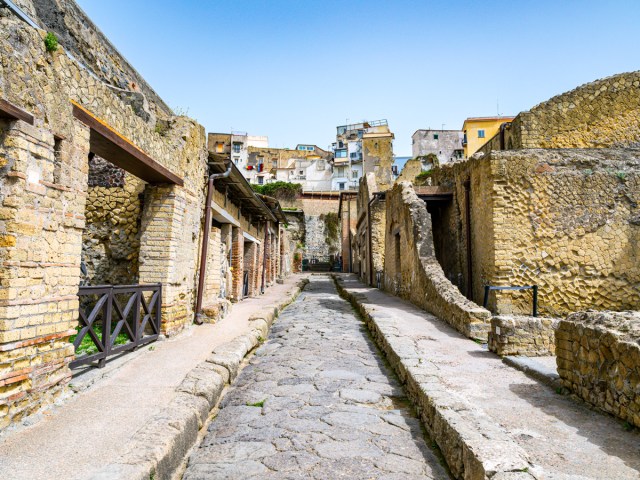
[115,319]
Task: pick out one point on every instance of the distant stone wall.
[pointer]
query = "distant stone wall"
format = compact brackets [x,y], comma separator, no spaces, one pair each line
[598,355]
[111,238]
[601,114]
[565,220]
[412,271]
[521,335]
[411,170]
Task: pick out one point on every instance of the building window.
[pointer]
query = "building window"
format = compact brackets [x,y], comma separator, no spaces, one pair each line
[341,186]
[354,174]
[235,160]
[219,147]
[342,153]
[435,136]
[480,133]
[236,147]
[260,180]
[339,171]
[301,172]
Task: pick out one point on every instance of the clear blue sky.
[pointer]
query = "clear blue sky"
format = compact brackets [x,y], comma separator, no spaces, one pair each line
[295,69]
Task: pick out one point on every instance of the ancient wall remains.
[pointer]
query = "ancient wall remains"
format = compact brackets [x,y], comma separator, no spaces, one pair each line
[111,240]
[565,220]
[600,114]
[412,271]
[522,335]
[82,38]
[370,235]
[44,192]
[411,170]
[598,356]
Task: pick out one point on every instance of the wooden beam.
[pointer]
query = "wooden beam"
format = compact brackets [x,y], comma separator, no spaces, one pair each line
[10,111]
[110,145]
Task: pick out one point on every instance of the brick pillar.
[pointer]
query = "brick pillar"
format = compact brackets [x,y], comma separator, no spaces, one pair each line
[259,261]
[170,217]
[250,266]
[267,246]
[237,264]
[44,191]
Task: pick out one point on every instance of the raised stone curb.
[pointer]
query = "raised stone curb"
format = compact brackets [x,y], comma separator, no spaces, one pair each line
[157,451]
[474,447]
[535,370]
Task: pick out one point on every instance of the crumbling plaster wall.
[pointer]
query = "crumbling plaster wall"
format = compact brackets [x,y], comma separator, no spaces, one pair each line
[566,220]
[378,158]
[412,271]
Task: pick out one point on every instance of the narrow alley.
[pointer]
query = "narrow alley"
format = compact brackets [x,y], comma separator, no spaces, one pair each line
[316,401]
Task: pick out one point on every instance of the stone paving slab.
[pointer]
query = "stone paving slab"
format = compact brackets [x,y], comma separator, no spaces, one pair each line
[315,402]
[474,405]
[139,421]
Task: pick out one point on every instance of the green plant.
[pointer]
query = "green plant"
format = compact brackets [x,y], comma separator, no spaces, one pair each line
[51,42]
[279,190]
[87,347]
[621,175]
[257,404]
[331,224]
[627,426]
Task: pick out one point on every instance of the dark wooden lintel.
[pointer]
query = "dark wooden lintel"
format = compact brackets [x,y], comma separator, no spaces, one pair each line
[110,145]
[10,111]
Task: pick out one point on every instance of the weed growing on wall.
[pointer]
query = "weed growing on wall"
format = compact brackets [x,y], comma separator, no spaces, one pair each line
[51,42]
[279,190]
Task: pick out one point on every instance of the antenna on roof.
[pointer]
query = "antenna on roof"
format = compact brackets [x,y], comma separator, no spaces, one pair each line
[498,106]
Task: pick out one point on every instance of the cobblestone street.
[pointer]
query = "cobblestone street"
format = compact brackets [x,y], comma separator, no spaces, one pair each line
[316,401]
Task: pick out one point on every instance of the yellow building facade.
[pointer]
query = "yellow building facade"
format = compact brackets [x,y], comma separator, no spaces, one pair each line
[479,130]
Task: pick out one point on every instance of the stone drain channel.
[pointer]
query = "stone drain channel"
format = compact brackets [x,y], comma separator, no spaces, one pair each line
[316,401]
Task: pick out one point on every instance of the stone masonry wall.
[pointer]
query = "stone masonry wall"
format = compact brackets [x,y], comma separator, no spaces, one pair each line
[412,271]
[522,335]
[601,114]
[598,356]
[43,194]
[566,220]
[111,239]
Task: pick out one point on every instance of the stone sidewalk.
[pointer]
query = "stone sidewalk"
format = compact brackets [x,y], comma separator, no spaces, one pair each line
[315,402]
[486,416]
[95,427]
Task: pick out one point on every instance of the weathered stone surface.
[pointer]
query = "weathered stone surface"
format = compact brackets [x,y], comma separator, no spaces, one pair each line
[598,355]
[302,413]
[412,271]
[522,335]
